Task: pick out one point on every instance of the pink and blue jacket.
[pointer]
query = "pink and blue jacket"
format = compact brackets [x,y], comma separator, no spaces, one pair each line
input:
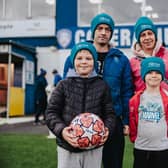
[135,63]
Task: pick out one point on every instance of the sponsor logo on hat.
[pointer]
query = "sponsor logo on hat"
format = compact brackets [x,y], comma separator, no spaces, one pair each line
[146,27]
[153,64]
[82,46]
[104,19]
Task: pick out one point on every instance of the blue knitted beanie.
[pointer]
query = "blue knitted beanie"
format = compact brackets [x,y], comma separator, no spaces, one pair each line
[142,24]
[102,18]
[84,46]
[152,64]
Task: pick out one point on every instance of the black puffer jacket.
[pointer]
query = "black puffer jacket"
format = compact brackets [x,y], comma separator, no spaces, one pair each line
[76,95]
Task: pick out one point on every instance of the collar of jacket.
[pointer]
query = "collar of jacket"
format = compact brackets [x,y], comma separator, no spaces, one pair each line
[72,73]
[115,52]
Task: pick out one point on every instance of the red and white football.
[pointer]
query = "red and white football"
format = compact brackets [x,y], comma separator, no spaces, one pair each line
[89,130]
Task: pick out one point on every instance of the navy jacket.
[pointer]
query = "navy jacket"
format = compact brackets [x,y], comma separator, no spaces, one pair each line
[40,86]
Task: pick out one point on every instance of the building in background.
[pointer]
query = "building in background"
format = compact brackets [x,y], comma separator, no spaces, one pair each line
[17,70]
[40,33]
[25,26]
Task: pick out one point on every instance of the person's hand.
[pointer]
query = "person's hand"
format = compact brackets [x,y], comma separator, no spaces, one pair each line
[69,137]
[126,130]
[105,136]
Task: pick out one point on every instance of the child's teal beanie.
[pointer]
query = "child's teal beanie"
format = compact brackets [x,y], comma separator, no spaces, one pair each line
[102,18]
[152,64]
[142,24]
[84,46]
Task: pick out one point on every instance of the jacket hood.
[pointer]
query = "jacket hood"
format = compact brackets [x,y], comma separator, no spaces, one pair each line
[72,73]
[137,51]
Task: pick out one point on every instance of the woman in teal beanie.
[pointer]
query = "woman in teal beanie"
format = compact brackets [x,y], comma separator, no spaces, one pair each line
[146,45]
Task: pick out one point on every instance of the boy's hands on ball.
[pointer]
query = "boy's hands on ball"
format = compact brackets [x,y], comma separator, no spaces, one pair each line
[69,137]
[105,136]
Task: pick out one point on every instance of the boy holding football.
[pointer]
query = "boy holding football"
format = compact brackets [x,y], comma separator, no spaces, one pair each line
[82,91]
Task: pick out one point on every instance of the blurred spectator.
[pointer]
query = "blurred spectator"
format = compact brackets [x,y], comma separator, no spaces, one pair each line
[40,96]
[57,77]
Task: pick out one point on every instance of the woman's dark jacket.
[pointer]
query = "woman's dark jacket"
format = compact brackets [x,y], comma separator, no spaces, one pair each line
[75,95]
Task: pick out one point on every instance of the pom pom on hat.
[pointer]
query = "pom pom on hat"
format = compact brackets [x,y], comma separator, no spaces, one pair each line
[102,18]
[152,64]
[142,24]
[83,46]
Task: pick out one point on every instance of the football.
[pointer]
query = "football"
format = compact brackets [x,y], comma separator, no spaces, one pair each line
[89,130]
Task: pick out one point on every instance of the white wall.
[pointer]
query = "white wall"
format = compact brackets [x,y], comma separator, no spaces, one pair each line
[50,58]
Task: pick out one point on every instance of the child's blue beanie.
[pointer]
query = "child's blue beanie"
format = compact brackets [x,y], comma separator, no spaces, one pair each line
[152,64]
[102,18]
[142,24]
[84,46]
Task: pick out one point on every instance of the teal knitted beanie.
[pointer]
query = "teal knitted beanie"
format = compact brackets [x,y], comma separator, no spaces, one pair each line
[142,24]
[152,64]
[84,46]
[102,18]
